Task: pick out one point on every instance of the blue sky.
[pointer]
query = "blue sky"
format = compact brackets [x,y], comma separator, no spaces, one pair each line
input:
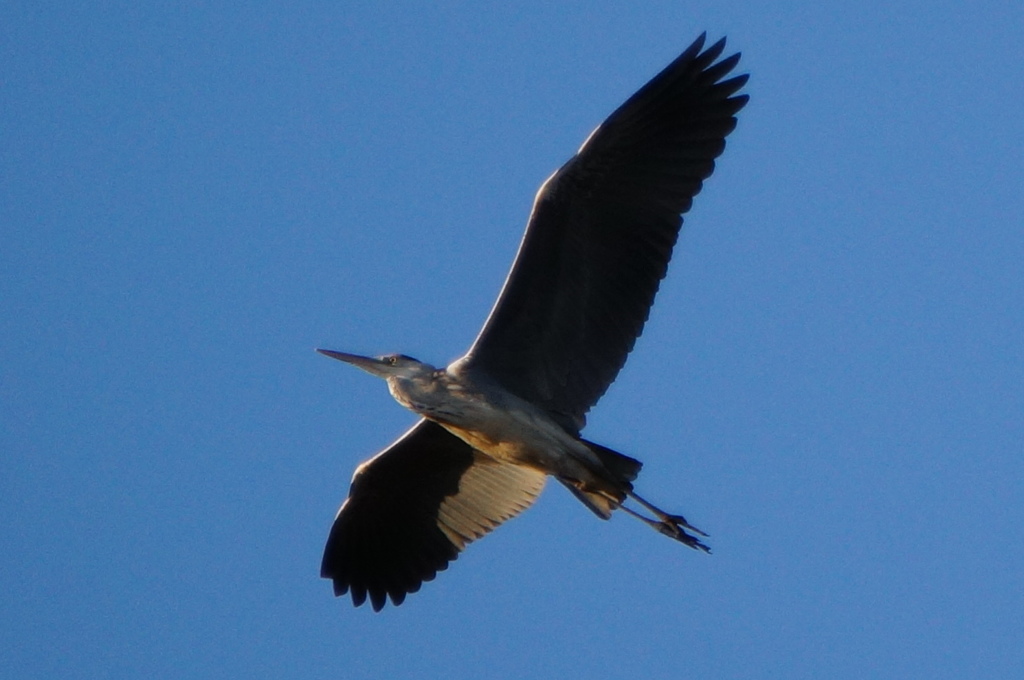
[192,199]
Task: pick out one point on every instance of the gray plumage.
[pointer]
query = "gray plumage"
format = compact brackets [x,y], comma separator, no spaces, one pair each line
[500,419]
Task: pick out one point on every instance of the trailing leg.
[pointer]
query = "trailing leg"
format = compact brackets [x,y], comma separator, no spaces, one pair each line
[673,526]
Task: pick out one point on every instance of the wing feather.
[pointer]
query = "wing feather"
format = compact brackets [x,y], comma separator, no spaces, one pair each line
[600,237]
[413,507]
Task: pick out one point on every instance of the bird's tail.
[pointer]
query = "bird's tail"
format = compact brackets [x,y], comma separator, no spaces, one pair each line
[623,468]
[620,470]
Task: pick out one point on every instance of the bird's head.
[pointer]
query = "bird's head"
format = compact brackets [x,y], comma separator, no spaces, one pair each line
[387,366]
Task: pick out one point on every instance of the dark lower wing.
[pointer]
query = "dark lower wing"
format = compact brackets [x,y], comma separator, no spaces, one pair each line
[413,507]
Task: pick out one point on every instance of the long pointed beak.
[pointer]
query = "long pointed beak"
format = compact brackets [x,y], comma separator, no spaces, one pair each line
[368,364]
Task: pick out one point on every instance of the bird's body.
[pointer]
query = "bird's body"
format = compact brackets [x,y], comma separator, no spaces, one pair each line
[495,422]
[511,430]
[505,416]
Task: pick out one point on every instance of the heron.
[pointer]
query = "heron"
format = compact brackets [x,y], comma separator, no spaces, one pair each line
[498,421]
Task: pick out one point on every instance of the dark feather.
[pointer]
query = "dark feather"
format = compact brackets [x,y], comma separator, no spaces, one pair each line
[601,235]
[413,507]
[385,537]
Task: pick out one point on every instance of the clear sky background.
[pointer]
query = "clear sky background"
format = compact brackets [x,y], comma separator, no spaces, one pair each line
[831,383]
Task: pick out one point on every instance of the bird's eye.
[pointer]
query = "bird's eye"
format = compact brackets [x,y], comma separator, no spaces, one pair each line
[393,360]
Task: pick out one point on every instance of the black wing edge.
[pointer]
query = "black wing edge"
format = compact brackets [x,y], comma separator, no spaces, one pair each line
[385,541]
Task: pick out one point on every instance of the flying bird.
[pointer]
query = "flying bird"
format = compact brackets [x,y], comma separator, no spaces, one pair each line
[498,421]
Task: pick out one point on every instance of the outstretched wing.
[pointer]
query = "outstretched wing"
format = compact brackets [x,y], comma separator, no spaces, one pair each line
[413,507]
[600,237]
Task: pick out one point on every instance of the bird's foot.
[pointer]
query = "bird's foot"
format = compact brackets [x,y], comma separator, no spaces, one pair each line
[679,520]
[675,526]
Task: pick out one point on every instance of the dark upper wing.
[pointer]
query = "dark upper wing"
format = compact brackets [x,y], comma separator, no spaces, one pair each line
[413,507]
[601,234]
